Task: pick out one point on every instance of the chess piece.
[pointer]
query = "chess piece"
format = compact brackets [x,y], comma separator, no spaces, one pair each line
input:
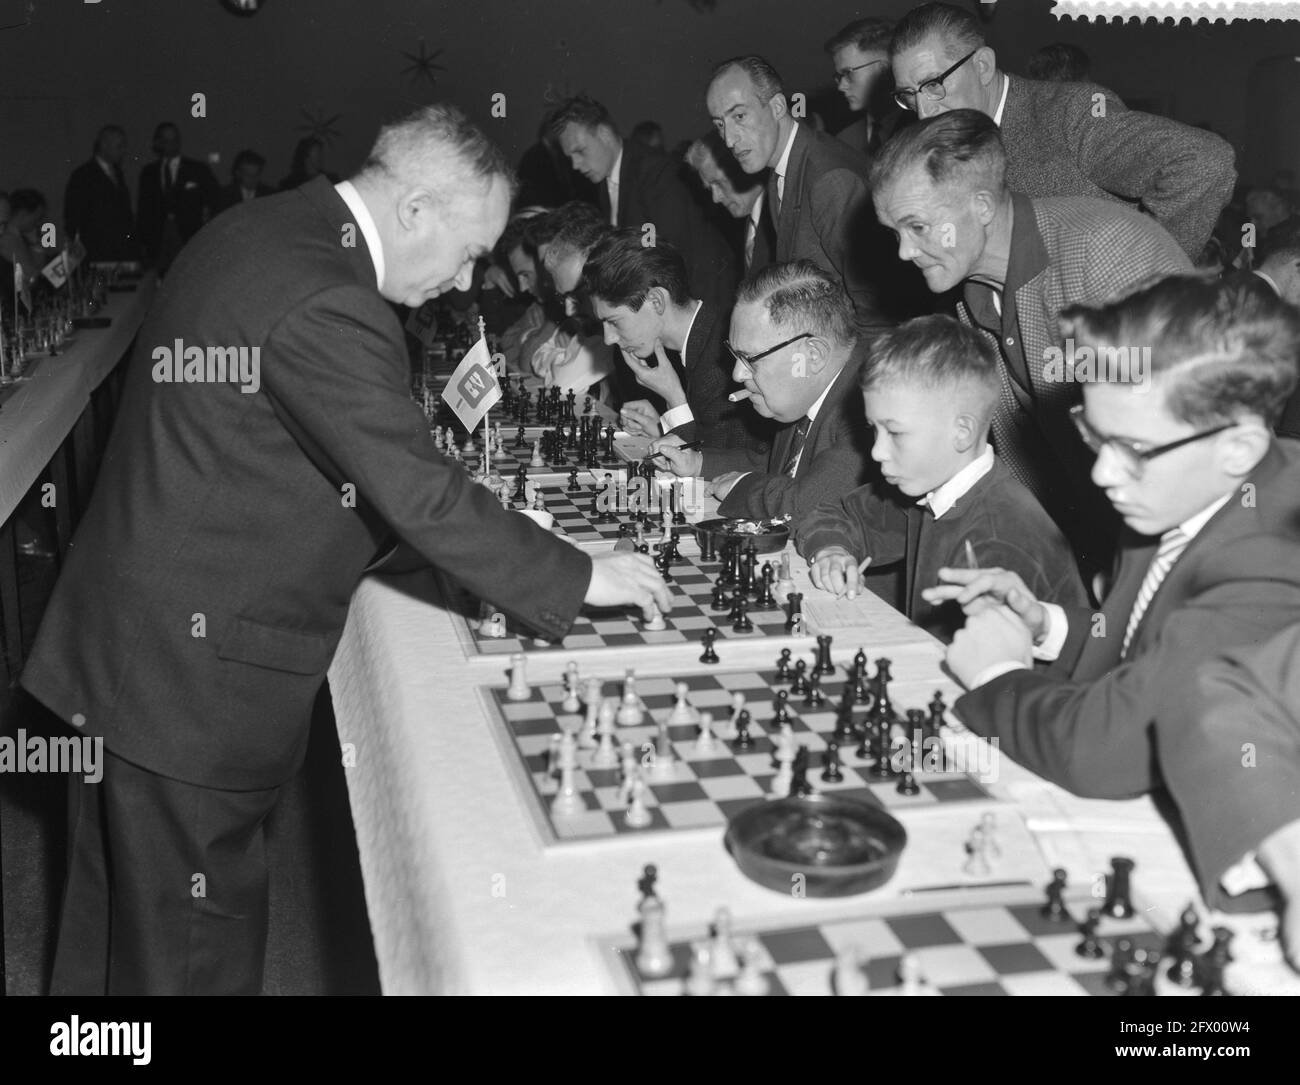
[723,962]
[1119,902]
[1121,957]
[907,785]
[741,622]
[606,754]
[654,956]
[630,711]
[656,623]
[537,460]
[751,980]
[710,655]
[848,978]
[720,599]
[1185,970]
[1091,947]
[800,788]
[823,666]
[1055,909]
[844,727]
[743,740]
[832,773]
[567,801]
[783,667]
[794,624]
[781,709]
[519,688]
[815,698]
[684,713]
[705,742]
[699,982]
[573,486]
[799,685]
[637,815]
[571,702]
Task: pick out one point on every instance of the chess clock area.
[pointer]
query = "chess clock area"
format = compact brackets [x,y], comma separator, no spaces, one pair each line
[508,795]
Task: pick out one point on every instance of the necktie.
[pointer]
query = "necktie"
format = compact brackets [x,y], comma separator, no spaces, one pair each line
[796,448]
[750,233]
[1172,544]
[774,194]
[613,201]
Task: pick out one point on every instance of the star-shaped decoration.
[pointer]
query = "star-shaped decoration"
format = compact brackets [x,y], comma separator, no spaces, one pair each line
[318,125]
[424,65]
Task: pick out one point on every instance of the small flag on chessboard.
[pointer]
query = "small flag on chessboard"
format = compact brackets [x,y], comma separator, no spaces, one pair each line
[473,389]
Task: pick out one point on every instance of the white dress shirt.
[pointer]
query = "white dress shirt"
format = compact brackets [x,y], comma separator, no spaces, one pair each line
[679,416]
[611,186]
[783,163]
[1002,102]
[945,497]
[369,230]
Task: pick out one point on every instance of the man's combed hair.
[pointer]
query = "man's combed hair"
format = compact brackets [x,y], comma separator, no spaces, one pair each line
[1219,349]
[956,27]
[767,83]
[414,151]
[543,229]
[581,110]
[962,145]
[578,235]
[620,270]
[937,353]
[801,293]
[867,34]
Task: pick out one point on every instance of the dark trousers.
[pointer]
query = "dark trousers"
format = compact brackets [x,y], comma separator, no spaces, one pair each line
[167,889]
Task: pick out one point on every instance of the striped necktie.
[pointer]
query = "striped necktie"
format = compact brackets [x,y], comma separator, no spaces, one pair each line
[796,447]
[751,231]
[1172,544]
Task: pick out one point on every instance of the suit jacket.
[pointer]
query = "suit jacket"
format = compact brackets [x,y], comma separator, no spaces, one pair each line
[718,422]
[1058,145]
[1088,724]
[827,217]
[1005,526]
[836,457]
[99,210]
[1247,699]
[1095,251]
[189,202]
[229,196]
[652,189]
[207,585]
[857,133]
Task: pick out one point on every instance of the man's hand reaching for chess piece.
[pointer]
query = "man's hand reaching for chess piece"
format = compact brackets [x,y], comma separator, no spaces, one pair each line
[627,579]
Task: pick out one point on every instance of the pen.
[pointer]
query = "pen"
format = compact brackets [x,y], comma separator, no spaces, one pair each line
[964,885]
[689,446]
[971,563]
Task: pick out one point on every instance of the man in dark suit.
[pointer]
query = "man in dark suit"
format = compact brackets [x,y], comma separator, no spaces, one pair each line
[245,181]
[799,357]
[237,507]
[1210,559]
[1230,756]
[639,187]
[97,202]
[940,186]
[672,343]
[860,56]
[817,195]
[1065,139]
[740,195]
[177,196]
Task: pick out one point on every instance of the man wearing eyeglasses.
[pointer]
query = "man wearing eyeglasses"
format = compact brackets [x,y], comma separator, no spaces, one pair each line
[940,186]
[860,56]
[1209,560]
[1064,139]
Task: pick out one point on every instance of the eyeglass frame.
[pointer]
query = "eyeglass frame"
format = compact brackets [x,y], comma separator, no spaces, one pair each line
[839,75]
[748,360]
[1140,456]
[900,95]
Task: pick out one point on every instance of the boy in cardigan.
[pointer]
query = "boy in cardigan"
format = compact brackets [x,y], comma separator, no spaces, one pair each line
[929,390]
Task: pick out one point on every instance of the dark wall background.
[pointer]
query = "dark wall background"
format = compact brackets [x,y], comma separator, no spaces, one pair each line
[77,65]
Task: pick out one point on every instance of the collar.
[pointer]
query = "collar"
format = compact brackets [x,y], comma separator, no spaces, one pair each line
[784,161]
[106,168]
[350,196]
[616,170]
[756,212]
[1270,280]
[811,413]
[942,498]
[1002,102]
[1028,256]
[1192,526]
[699,306]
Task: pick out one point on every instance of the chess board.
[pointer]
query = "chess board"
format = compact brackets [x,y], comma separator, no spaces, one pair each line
[996,944]
[521,456]
[706,789]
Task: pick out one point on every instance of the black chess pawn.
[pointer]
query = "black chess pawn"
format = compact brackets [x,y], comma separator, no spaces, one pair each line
[814,697]
[663,562]
[710,655]
[783,667]
[720,600]
[1054,908]
[1185,969]
[521,484]
[708,552]
[573,486]
[916,725]
[1119,901]
[907,784]
[519,438]
[844,731]
[781,709]
[766,599]
[832,772]
[743,739]
[799,685]
[800,788]
[935,721]
[1121,956]
[646,883]
[741,621]
[1215,960]
[1141,971]
[882,765]
[1091,947]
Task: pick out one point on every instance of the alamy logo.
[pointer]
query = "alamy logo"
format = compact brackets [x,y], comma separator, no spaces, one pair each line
[78,754]
[179,364]
[1105,364]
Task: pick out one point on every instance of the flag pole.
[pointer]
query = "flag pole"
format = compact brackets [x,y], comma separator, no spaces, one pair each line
[487,431]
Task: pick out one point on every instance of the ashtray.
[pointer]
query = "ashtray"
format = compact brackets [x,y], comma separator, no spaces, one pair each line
[768,536]
[840,846]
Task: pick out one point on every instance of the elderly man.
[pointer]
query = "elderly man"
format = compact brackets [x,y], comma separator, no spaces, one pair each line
[736,192]
[642,188]
[940,185]
[208,583]
[1064,139]
[817,197]
[859,53]
[799,358]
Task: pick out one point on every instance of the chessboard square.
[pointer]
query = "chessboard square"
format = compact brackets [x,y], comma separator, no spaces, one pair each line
[887,793]
[1039,984]
[536,709]
[686,815]
[608,798]
[1031,918]
[930,929]
[819,721]
[657,821]
[670,986]
[603,777]
[711,699]
[718,766]
[692,622]
[739,786]
[553,692]
[742,680]
[975,990]
[871,936]
[531,746]
[882,972]
[612,626]
[1094,983]
[532,729]
[582,640]
[1059,949]
[624,640]
[731,808]
[576,826]
[653,688]
[699,682]
[985,926]
[795,945]
[807,977]
[663,636]
[1012,957]
[945,966]
[687,752]
[956,789]
[681,792]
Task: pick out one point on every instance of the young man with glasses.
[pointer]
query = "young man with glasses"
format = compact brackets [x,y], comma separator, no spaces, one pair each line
[1064,139]
[1209,560]
[860,58]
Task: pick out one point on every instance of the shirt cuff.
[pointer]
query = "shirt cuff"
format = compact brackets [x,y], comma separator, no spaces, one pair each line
[997,670]
[1058,625]
[677,416]
[1244,876]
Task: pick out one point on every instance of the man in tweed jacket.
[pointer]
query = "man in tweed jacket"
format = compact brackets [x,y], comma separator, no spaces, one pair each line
[941,187]
[1066,139]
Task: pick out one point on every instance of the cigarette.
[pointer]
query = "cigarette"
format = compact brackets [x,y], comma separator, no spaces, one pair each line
[736,397]
[862,565]
[971,563]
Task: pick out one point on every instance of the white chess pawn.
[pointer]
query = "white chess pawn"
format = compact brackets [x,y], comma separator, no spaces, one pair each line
[567,801]
[537,460]
[700,981]
[519,688]
[571,702]
[606,754]
[627,771]
[654,957]
[705,742]
[911,981]
[751,980]
[637,815]
[722,952]
[684,713]
[737,707]
[661,768]
[630,713]
[656,623]
[784,581]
